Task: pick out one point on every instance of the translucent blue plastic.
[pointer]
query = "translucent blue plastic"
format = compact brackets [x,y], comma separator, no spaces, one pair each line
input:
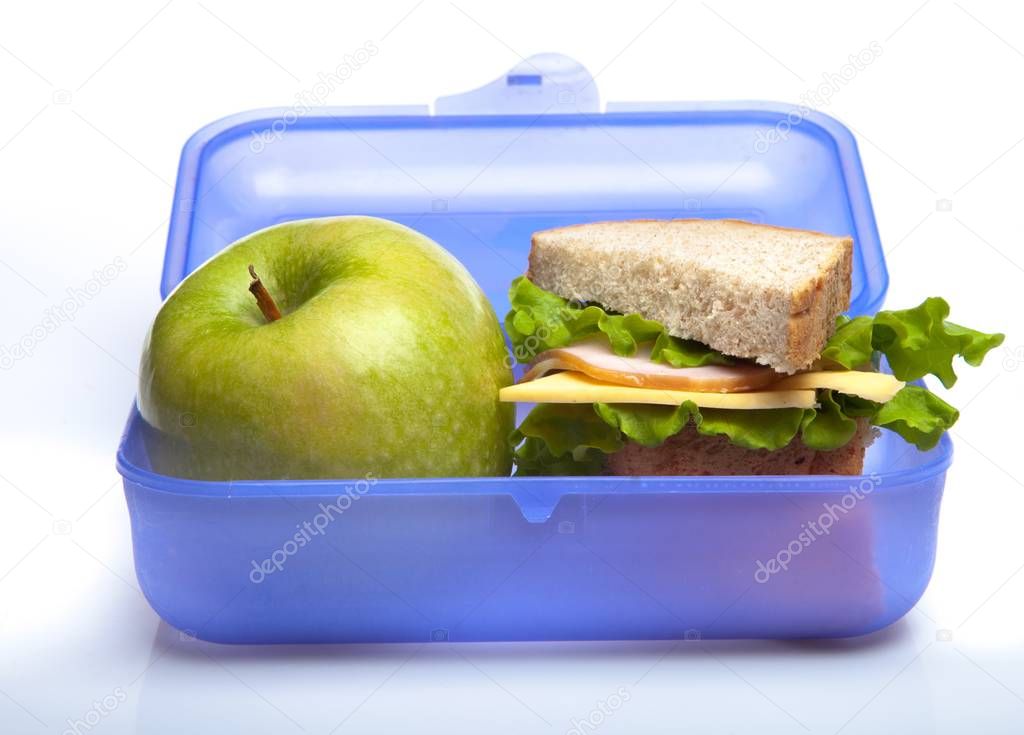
[536,558]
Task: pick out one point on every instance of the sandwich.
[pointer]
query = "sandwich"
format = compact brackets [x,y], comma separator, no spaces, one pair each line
[716,347]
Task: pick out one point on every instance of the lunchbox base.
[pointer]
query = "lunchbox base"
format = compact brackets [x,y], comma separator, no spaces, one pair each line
[542,559]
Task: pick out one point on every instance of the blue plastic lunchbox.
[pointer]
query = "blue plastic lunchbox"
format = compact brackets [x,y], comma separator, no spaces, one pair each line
[530,558]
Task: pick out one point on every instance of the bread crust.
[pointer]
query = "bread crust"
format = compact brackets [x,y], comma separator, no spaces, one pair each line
[690,453]
[651,220]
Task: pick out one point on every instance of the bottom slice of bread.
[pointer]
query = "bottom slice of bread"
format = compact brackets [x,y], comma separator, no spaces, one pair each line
[690,453]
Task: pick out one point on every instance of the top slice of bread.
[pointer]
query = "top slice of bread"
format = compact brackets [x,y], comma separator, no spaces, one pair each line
[770,294]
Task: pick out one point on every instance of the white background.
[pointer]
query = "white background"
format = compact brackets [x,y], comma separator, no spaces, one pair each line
[97,99]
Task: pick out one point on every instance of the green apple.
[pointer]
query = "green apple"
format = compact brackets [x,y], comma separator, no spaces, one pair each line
[386,360]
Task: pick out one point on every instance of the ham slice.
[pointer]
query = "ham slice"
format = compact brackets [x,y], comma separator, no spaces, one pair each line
[595,358]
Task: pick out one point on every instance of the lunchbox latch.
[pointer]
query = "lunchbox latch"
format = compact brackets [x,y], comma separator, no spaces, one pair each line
[543,503]
[543,83]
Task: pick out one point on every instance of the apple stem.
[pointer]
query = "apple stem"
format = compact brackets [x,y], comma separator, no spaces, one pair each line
[263,298]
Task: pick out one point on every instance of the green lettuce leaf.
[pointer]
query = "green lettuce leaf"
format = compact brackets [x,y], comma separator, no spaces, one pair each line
[569,439]
[850,345]
[626,332]
[572,439]
[974,345]
[758,429]
[647,425]
[681,353]
[563,439]
[540,320]
[918,415]
[564,427]
[652,425]
[855,406]
[829,426]
[916,342]
[534,458]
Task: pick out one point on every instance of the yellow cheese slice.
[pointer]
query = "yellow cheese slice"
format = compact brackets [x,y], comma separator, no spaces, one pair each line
[879,387]
[571,387]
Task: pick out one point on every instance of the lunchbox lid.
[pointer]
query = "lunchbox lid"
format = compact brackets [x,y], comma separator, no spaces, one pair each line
[530,150]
